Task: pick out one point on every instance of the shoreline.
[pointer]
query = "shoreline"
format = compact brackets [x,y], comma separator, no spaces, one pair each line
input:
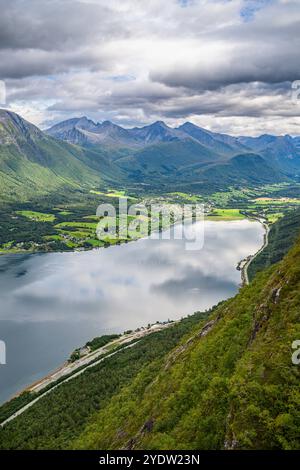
[244,264]
[207,218]
[68,371]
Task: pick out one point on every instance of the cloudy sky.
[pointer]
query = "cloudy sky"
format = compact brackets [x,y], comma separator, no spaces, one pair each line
[227,65]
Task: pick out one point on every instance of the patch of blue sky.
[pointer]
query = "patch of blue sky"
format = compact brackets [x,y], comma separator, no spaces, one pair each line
[122,78]
[52,77]
[251,7]
[185,3]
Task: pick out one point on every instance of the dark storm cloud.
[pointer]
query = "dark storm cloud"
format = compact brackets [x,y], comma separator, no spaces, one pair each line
[47,37]
[271,67]
[33,62]
[55,24]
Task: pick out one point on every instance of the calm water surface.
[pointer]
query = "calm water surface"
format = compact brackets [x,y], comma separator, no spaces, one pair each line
[52,303]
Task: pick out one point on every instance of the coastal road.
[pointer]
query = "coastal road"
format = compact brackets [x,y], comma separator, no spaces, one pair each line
[88,361]
[29,405]
[245,277]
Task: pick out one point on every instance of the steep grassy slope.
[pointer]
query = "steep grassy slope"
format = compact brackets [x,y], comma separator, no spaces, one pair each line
[282,236]
[33,164]
[231,385]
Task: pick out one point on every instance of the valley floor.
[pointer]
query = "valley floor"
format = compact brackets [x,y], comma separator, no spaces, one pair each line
[53,225]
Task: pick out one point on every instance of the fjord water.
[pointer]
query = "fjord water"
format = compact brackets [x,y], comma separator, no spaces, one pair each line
[52,303]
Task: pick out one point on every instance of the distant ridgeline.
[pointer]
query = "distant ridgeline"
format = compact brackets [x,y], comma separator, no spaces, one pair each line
[79,154]
[220,380]
[282,236]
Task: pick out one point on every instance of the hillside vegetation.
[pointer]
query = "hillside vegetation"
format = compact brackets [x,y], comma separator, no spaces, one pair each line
[33,164]
[57,419]
[282,236]
[232,384]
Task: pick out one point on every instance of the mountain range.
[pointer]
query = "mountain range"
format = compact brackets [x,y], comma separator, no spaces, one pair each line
[85,132]
[178,152]
[79,153]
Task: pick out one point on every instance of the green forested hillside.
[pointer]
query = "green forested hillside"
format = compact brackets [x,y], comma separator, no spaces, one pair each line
[248,168]
[189,161]
[34,164]
[282,236]
[56,420]
[231,385]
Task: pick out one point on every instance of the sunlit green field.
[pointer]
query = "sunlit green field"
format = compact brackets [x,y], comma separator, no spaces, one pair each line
[225,214]
[185,196]
[37,216]
[273,201]
[112,193]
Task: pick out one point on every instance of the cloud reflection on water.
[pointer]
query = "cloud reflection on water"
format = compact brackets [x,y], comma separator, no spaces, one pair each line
[62,300]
